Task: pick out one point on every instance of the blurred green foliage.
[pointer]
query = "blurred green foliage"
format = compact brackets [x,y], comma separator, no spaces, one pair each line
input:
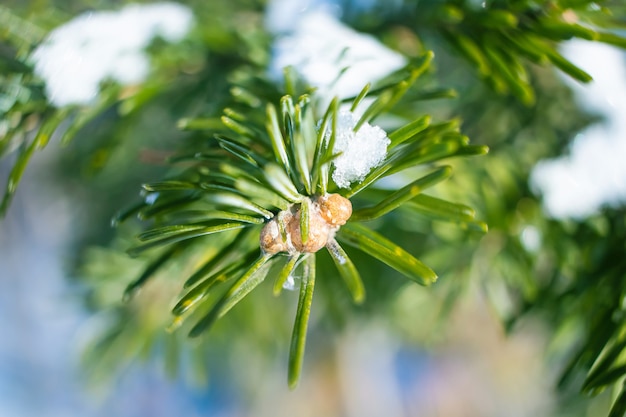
[500,57]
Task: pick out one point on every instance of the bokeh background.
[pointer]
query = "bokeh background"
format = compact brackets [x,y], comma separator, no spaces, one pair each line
[490,339]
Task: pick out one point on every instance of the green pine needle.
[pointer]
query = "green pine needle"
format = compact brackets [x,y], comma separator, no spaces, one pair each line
[347,270]
[240,288]
[298,337]
[377,246]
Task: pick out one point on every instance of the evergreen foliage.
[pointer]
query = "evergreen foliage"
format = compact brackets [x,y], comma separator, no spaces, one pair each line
[241,149]
[247,176]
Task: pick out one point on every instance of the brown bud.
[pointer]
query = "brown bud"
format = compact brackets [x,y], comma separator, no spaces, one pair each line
[335,209]
[318,232]
[271,240]
[326,214]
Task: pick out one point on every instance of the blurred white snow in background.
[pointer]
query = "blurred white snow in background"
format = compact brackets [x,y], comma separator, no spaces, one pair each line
[594,173]
[93,47]
[329,55]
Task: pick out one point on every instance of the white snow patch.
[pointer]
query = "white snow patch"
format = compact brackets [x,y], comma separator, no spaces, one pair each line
[320,47]
[594,173]
[361,151]
[77,56]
